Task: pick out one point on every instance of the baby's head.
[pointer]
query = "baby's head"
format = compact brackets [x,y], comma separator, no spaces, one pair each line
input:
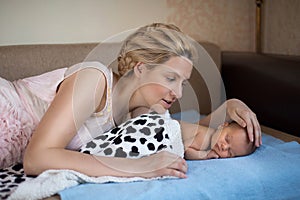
[231,140]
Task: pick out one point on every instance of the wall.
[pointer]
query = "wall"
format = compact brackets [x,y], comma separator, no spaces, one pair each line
[67,21]
[281,27]
[228,23]
[73,21]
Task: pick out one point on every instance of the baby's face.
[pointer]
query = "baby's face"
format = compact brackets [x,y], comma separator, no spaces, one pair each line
[231,141]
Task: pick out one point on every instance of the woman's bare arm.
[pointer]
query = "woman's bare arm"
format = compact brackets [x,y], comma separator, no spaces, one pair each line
[77,98]
[59,124]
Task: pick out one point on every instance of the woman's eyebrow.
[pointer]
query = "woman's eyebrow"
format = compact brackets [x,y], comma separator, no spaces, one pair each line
[176,74]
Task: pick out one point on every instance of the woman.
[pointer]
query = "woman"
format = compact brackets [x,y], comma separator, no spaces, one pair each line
[153,64]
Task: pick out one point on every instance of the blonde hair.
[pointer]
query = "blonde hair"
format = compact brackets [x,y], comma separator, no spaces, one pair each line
[153,44]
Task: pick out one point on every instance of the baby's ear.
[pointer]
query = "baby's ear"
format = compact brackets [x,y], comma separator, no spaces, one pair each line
[223,125]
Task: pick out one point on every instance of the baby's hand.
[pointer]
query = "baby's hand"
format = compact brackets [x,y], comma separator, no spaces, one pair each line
[212,155]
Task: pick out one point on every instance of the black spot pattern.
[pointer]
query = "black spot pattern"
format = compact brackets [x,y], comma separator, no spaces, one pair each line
[143,140]
[108,151]
[19,180]
[161,146]
[10,178]
[120,153]
[3,176]
[91,144]
[112,138]
[105,144]
[161,122]
[115,130]
[151,146]
[117,140]
[128,138]
[130,129]
[17,167]
[140,122]
[145,130]
[134,151]
[159,134]
[101,137]
[151,124]
[143,135]
[154,117]
[87,152]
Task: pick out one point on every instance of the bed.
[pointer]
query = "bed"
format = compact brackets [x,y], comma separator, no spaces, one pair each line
[271,172]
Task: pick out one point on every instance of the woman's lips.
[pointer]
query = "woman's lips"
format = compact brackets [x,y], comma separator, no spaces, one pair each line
[167,104]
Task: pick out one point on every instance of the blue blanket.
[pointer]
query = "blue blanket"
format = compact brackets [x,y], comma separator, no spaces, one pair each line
[272,172]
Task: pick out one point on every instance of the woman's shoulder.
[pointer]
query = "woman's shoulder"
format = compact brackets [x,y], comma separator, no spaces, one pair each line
[88,65]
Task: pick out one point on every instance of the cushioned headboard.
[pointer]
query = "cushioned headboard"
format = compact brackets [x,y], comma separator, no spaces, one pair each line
[19,61]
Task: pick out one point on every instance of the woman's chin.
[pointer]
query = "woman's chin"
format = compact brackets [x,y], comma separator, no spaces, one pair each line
[158,108]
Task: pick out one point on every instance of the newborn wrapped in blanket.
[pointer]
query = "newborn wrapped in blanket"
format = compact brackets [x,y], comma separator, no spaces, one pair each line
[138,137]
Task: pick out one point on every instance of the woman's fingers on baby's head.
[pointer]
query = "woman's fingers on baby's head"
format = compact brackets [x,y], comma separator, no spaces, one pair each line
[235,117]
[257,131]
[250,131]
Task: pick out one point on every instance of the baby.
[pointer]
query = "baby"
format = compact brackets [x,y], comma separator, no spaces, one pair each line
[150,133]
[138,137]
[229,140]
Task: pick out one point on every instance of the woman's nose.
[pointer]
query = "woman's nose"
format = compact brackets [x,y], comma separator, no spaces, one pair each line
[177,92]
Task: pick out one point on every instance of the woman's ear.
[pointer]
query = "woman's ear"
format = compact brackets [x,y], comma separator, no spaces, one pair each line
[138,69]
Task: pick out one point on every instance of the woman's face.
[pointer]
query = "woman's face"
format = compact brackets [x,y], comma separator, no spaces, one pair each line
[162,85]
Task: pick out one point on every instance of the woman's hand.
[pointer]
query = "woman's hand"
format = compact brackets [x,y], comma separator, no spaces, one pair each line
[241,113]
[159,164]
[164,164]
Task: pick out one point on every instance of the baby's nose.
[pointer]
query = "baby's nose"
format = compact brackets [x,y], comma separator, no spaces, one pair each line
[224,146]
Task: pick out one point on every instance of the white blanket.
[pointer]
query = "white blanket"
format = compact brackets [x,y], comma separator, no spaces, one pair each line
[51,182]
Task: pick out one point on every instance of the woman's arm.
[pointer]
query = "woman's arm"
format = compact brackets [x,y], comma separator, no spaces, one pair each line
[235,110]
[78,97]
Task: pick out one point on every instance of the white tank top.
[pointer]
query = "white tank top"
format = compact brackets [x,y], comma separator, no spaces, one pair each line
[99,122]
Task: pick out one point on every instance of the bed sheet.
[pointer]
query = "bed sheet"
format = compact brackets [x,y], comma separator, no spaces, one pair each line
[271,172]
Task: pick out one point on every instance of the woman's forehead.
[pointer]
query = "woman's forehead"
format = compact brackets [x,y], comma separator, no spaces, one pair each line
[177,66]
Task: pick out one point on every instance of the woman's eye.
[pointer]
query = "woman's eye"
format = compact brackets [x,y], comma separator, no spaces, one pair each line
[171,79]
